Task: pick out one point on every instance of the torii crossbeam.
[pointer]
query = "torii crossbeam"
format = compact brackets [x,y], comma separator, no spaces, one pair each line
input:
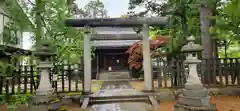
[117,22]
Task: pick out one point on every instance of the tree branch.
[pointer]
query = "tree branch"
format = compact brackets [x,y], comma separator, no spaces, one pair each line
[45,25]
[31,2]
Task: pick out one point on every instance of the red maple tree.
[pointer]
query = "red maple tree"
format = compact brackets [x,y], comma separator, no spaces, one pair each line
[136,55]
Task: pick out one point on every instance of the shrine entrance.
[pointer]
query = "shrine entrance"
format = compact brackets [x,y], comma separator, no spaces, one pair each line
[115,62]
[115,91]
[112,63]
[112,59]
[118,23]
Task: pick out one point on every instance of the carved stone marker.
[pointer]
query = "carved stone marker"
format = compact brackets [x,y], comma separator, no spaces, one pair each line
[45,98]
[195,97]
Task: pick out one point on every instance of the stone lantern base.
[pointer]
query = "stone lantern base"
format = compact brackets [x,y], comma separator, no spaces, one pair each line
[45,103]
[179,107]
[194,99]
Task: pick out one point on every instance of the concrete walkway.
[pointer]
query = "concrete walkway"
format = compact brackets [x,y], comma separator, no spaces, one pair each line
[112,88]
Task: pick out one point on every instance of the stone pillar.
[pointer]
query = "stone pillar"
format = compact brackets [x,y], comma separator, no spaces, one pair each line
[87,64]
[98,73]
[45,98]
[160,71]
[147,64]
[195,96]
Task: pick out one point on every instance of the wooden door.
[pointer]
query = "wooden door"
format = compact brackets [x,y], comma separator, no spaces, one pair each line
[116,62]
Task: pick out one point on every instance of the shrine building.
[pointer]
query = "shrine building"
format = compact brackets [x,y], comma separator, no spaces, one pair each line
[110,47]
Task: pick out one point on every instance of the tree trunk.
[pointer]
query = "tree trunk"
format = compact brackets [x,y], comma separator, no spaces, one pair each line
[213,23]
[38,8]
[225,49]
[206,39]
[185,25]
[215,71]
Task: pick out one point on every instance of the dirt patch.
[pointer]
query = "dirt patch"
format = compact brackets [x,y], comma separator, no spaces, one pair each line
[74,107]
[139,85]
[226,91]
[223,103]
[228,101]
[166,106]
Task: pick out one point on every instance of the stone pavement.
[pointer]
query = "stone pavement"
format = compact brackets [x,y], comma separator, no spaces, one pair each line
[119,88]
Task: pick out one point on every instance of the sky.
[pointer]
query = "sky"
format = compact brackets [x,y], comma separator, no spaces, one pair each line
[115,8]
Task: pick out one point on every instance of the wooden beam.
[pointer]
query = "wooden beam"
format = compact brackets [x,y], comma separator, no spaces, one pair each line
[119,53]
[111,47]
[116,37]
[117,22]
[113,44]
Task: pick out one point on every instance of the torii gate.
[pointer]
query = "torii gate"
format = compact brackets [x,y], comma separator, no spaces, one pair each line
[118,22]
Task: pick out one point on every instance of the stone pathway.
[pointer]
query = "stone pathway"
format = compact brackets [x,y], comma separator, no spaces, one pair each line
[114,75]
[119,88]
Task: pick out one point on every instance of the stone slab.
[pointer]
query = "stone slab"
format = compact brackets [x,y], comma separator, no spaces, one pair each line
[44,103]
[118,92]
[44,91]
[194,101]
[179,107]
[123,106]
[195,93]
[35,100]
[85,103]
[194,86]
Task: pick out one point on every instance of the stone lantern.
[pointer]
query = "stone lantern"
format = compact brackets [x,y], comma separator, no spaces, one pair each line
[194,96]
[44,53]
[43,100]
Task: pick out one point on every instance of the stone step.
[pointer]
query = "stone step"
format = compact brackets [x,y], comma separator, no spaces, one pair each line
[114,75]
[120,100]
[119,94]
[118,97]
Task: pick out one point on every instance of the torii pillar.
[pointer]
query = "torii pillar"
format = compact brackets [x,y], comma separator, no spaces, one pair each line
[87,64]
[147,64]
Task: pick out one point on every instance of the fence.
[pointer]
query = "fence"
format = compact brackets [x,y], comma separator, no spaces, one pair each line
[213,73]
[25,79]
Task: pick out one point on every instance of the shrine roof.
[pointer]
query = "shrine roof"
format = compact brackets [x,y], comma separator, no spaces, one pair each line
[9,50]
